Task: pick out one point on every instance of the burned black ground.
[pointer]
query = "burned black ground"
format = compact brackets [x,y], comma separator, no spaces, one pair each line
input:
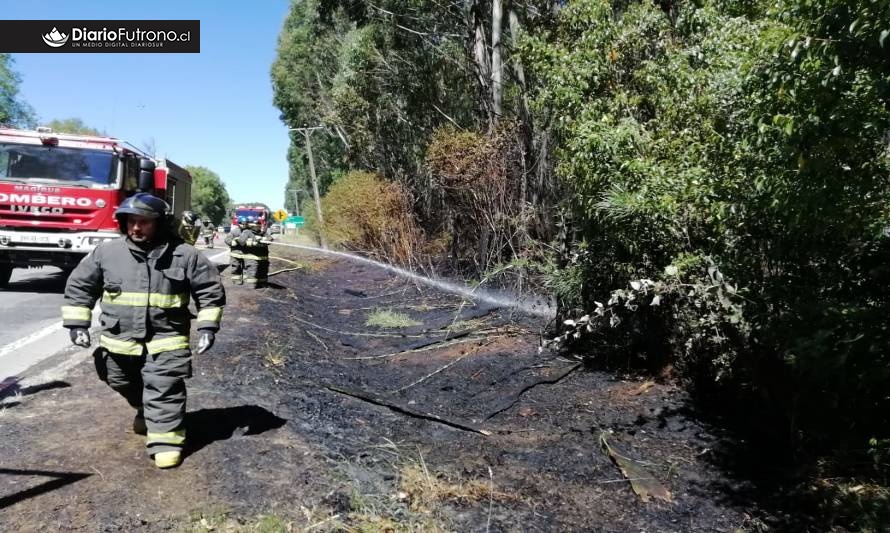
[278,428]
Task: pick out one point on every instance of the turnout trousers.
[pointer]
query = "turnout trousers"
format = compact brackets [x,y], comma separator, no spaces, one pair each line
[256,272]
[155,383]
[237,267]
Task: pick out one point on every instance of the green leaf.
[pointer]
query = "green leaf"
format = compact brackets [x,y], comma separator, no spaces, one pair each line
[883,36]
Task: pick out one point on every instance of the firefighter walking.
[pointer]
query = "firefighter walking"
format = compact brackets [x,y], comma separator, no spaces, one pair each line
[145,281]
[255,245]
[208,231]
[236,253]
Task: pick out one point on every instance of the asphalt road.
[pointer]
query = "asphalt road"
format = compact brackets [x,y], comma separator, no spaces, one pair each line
[30,318]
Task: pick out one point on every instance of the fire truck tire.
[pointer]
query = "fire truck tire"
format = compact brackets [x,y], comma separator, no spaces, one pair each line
[5,274]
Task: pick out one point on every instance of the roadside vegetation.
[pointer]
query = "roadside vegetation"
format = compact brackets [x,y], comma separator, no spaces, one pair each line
[703,186]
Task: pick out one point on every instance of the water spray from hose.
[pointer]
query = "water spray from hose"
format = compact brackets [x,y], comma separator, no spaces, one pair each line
[534,307]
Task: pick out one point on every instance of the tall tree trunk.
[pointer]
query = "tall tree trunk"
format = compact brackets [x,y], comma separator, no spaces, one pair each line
[480,52]
[497,64]
[524,113]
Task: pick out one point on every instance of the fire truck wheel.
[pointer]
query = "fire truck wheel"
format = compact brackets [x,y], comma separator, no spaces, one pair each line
[5,273]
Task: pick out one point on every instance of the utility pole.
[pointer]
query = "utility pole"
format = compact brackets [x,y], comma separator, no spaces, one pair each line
[296,200]
[306,132]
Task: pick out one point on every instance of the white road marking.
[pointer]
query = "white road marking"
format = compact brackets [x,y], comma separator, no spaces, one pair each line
[28,339]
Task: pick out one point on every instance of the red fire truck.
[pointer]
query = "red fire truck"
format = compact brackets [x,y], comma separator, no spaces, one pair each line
[58,193]
[259,214]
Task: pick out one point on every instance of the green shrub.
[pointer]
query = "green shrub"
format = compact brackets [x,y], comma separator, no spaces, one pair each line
[748,141]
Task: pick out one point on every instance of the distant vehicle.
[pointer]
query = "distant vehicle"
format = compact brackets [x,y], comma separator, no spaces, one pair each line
[258,214]
[58,193]
[227,228]
[275,228]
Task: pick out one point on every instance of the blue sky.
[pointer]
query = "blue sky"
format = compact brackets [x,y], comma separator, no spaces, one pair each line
[212,109]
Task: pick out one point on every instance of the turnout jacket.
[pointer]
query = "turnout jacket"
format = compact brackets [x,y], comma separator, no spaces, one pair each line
[144,294]
[231,241]
[251,245]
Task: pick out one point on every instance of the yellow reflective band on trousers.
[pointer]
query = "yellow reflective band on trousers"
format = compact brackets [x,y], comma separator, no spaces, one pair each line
[137,348]
[233,253]
[73,312]
[211,314]
[151,299]
[255,257]
[254,280]
[172,437]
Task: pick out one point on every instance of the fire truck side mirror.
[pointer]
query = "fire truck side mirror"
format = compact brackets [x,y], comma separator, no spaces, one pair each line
[146,181]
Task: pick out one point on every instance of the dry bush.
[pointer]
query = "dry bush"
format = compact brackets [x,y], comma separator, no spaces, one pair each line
[480,177]
[363,211]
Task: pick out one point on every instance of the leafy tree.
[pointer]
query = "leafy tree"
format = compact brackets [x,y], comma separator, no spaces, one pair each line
[209,196]
[749,142]
[380,78]
[13,110]
[72,125]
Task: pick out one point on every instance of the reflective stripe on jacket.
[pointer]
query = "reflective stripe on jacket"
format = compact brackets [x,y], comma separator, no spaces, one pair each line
[251,246]
[145,295]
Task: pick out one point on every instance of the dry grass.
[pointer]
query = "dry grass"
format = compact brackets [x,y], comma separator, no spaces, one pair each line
[218,520]
[365,523]
[424,491]
[387,318]
[275,355]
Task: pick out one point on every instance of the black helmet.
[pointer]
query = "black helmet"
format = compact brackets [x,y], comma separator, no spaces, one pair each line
[142,204]
[189,218]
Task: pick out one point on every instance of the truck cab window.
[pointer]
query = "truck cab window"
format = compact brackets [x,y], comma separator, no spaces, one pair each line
[131,174]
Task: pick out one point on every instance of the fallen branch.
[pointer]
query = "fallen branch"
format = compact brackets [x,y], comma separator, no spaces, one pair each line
[433,345]
[399,408]
[323,345]
[357,334]
[513,399]
[440,369]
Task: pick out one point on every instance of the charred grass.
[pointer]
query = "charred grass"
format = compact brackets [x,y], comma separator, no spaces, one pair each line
[539,467]
[305,419]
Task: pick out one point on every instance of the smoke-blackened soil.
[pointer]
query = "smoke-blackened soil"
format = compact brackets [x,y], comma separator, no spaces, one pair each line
[302,416]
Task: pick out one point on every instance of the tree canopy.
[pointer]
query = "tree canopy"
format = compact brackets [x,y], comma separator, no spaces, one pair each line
[209,196]
[72,125]
[13,110]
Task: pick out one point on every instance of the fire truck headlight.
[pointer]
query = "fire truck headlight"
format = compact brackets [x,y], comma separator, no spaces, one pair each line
[97,240]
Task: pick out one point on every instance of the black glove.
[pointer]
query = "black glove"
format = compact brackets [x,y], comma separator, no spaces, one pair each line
[80,336]
[205,341]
